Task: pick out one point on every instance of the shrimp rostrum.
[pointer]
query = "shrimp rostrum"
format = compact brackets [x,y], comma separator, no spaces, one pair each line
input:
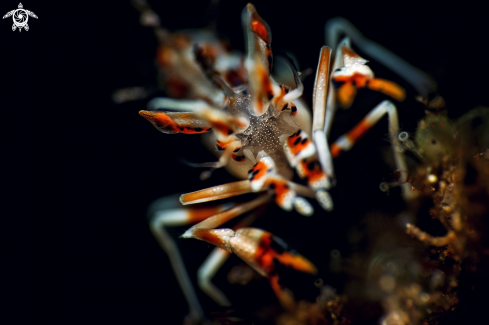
[263,133]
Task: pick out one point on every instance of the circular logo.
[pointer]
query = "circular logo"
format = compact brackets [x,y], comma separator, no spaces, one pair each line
[20,17]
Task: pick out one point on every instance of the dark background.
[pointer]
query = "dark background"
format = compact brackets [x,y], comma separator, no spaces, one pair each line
[78,171]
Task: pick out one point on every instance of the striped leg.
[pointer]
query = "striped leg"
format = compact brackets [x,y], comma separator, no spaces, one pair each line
[301,154]
[356,74]
[421,81]
[264,176]
[197,116]
[346,141]
[262,251]
[214,262]
[164,213]
[320,97]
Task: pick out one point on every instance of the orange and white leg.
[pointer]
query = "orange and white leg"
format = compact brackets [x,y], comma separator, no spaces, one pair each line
[198,117]
[421,81]
[258,60]
[320,98]
[262,251]
[264,176]
[223,124]
[346,141]
[172,123]
[214,262]
[356,74]
[302,154]
[165,213]
[217,192]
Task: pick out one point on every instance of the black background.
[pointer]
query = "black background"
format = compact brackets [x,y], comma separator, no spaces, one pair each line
[79,171]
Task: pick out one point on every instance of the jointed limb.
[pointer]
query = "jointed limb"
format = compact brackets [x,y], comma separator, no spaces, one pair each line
[417,78]
[214,262]
[346,141]
[165,214]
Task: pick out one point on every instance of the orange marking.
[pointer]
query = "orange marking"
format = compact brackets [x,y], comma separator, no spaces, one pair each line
[314,174]
[358,131]
[388,87]
[280,189]
[258,171]
[223,144]
[359,80]
[297,143]
[221,127]
[264,254]
[265,88]
[346,94]
[265,257]
[165,123]
[259,28]
[284,296]
[238,158]
[165,55]
[297,261]
[196,215]
[335,150]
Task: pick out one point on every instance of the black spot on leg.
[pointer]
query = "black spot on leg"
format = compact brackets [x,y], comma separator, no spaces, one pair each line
[284,108]
[198,129]
[337,84]
[296,142]
[270,96]
[304,141]
[294,109]
[236,150]
[218,147]
[230,132]
[253,174]
[312,165]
